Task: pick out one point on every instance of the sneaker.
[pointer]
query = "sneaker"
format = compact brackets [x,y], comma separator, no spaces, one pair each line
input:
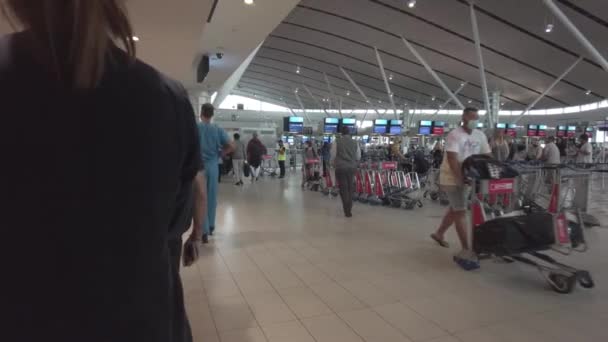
[467,260]
[205,238]
[211,230]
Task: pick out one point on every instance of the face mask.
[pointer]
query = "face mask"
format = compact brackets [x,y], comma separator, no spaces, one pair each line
[472,124]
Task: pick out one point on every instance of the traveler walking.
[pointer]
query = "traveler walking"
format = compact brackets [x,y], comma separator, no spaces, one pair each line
[255,151]
[214,142]
[584,154]
[462,142]
[238,159]
[345,154]
[100,188]
[282,157]
[308,153]
[326,157]
[500,146]
[551,154]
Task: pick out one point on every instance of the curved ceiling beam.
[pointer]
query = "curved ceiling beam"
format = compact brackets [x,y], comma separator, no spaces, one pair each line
[296,83]
[471,65]
[396,85]
[494,50]
[396,72]
[314,79]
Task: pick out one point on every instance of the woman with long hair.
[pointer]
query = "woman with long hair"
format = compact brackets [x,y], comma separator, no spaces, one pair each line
[99,152]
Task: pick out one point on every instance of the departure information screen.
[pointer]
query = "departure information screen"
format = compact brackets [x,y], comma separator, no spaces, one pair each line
[331,125]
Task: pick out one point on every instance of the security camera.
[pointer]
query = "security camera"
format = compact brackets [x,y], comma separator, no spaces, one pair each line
[219,55]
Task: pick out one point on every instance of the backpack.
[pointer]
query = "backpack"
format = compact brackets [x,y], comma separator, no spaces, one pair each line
[480,166]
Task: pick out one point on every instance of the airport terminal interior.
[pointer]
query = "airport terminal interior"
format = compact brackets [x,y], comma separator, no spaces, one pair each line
[286,263]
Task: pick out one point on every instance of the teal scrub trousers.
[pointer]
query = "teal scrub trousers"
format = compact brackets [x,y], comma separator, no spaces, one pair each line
[212,174]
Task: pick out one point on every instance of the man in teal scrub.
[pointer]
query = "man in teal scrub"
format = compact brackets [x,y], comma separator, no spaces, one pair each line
[214,144]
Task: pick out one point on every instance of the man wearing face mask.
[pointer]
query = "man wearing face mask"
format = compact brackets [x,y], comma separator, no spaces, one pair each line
[462,143]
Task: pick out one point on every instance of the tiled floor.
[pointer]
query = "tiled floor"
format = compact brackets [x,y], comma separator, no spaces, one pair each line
[286,266]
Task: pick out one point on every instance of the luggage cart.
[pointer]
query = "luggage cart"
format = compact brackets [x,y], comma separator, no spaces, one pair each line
[410,194]
[431,187]
[311,174]
[565,238]
[269,166]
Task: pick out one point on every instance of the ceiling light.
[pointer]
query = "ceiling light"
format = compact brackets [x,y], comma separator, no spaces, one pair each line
[390,77]
[502,103]
[549,28]
[391,94]
[297,90]
[588,92]
[433,98]
[411,3]
[470,101]
[297,70]
[348,93]
[135,38]
[462,83]
[248,2]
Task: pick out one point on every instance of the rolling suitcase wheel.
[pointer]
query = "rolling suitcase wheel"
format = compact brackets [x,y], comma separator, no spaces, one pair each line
[562,283]
[585,279]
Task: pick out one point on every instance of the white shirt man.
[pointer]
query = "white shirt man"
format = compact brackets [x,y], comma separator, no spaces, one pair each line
[585,153]
[462,143]
[551,153]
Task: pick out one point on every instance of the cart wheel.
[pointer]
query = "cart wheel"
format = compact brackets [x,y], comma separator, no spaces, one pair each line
[585,279]
[562,283]
[434,196]
[419,203]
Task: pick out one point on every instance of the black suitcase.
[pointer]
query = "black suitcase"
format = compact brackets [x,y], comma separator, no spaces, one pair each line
[512,235]
[246,169]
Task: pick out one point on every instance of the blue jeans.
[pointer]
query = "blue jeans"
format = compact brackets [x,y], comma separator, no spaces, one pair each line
[212,175]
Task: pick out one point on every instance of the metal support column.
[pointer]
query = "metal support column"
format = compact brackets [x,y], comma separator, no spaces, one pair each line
[333,94]
[447,102]
[389,93]
[482,70]
[557,80]
[432,72]
[577,33]
[354,84]
[302,106]
[315,100]
[492,115]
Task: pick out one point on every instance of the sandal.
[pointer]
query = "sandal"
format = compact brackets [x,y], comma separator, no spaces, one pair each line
[439,241]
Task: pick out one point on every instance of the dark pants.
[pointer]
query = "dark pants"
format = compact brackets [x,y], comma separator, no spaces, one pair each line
[282,167]
[181,327]
[346,180]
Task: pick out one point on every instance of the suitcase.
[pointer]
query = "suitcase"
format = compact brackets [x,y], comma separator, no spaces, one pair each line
[512,235]
[246,169]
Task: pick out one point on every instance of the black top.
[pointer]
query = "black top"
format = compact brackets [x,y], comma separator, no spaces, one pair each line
[93,184]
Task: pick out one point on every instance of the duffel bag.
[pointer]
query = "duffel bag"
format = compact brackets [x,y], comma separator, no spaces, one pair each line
[511,235]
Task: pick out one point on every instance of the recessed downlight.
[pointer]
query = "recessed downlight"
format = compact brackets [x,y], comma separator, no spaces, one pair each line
[248,2]
[549,28]
[411,3]
[135,38]
[588,92]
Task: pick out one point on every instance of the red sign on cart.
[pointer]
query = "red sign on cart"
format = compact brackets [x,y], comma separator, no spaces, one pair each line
[389,165]
[501,186]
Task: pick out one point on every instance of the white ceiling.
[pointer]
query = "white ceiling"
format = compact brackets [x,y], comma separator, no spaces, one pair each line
[521,59]
[236,30]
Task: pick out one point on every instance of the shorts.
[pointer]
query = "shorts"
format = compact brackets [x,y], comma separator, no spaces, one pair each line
[458,196]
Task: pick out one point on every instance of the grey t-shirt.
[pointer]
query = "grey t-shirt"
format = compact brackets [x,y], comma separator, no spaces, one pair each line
[239,150]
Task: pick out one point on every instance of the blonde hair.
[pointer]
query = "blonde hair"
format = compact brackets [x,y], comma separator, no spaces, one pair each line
[76,35]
